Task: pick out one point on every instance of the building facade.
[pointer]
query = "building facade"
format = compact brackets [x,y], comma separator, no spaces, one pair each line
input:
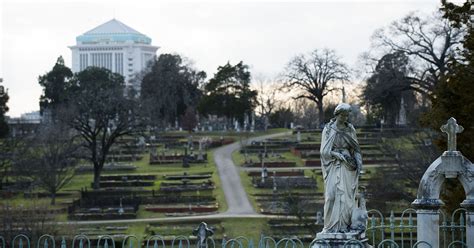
[114,46]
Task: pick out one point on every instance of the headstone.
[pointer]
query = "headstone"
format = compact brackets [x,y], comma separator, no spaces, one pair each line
[274,182]
[141,142]
[402,114]
[236,126]
[252,126]
[264,174]
[319,218]
[203,233]
[298,136]
[292,125]
[180,129]
[246,122]
[200,154]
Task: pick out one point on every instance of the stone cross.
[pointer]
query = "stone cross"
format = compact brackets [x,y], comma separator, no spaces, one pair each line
[451,128]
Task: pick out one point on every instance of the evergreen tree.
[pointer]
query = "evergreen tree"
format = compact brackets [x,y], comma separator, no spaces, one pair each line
[56,85]
[168,89]
[4,129]
[228,93]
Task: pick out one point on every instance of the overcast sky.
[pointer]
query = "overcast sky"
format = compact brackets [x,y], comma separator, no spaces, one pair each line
[263,34]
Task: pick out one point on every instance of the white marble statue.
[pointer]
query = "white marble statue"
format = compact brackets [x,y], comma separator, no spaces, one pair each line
[341,164]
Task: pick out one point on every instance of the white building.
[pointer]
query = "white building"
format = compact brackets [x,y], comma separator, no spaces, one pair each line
[115,46]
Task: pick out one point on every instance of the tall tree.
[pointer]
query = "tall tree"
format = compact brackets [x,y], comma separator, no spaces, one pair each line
[100,112]
[385,88]
[314,75]
[189,120]
[169,88]
[228,93]
[4,129]
[429,42]
[56,83]
[454,96]
[49,158]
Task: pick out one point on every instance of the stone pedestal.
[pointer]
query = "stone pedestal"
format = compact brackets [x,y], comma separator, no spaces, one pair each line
[427,219]
[428,227]
[337,240]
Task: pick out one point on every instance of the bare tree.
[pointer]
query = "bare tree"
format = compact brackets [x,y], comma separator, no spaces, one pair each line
[8,148]
[314,74]
[100,113]
[267,98]
[49,159]
[429,41]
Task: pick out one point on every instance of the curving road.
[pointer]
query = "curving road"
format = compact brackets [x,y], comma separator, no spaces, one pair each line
[235,195]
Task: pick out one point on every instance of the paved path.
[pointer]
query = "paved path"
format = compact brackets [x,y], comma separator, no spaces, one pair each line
[174,219]
[312,168]
[235,195]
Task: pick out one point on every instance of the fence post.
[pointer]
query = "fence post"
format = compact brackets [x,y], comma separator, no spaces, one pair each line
[469,206]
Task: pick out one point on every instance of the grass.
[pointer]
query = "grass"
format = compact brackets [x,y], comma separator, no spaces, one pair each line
[250,228]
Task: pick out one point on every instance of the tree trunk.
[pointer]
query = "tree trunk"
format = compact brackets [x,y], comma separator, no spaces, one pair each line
[96,177]
[320,113]
[53,198]
[265,123]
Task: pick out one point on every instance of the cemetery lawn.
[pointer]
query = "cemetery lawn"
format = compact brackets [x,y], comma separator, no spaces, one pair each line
[82,181]
[250,228]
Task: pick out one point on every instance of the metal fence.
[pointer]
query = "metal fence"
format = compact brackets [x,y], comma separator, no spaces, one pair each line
[396,231]
[402,229]
[157,241]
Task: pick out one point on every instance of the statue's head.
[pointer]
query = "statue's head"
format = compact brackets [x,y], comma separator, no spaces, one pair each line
[342,111]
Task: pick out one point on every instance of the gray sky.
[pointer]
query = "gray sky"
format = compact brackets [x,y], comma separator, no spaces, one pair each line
[264,34]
